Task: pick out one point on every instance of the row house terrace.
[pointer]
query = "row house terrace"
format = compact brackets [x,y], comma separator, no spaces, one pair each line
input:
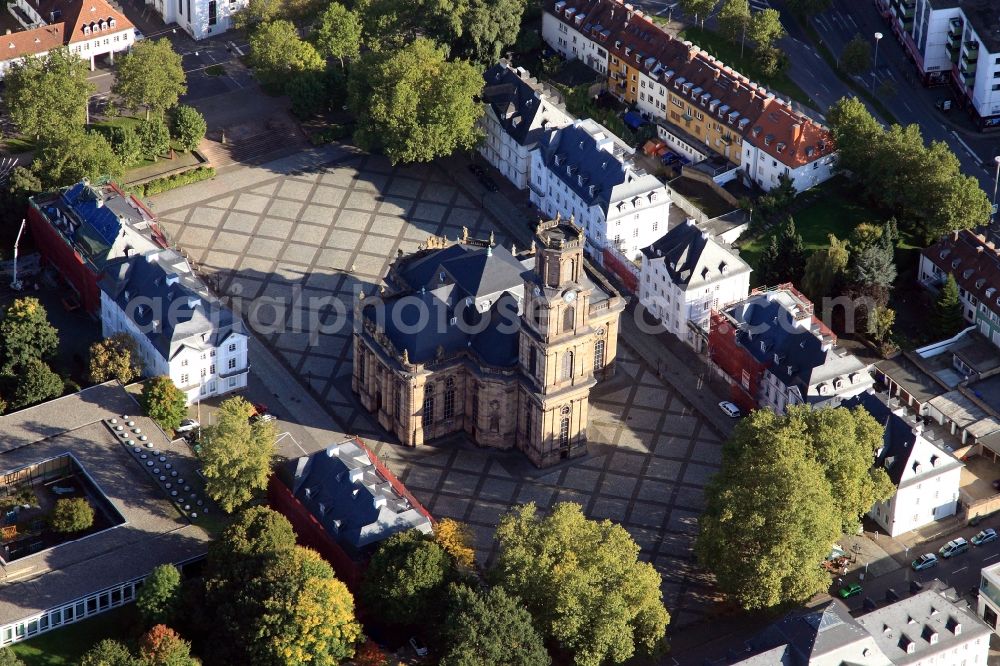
[700,98]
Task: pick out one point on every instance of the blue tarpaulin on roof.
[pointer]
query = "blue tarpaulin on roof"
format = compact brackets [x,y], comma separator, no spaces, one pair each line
[634,120]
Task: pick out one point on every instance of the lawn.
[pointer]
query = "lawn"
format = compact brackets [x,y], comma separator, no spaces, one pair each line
[729,54]
[67,645]
[833,212]
[130,121]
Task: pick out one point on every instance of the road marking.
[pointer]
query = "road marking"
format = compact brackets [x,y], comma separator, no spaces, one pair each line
[289,436]
[907,107]
[851,19]
[971,152]
[991,556]
[958,570]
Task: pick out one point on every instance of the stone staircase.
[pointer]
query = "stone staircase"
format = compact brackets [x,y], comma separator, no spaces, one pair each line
[264,146]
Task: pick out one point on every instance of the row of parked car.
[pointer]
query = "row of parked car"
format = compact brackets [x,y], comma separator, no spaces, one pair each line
[953,548]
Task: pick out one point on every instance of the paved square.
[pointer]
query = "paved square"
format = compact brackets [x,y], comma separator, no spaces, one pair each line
[331,232]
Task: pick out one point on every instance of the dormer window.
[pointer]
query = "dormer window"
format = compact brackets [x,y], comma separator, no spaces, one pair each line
[86,31]
[955,263]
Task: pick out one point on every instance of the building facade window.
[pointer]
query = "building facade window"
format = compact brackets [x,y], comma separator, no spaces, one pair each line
[429,404]
[567,370]
[212,18]
[231,364]
[564,432]
[397,401]
[598,355]
[569,317]
[449,398]
[361,363]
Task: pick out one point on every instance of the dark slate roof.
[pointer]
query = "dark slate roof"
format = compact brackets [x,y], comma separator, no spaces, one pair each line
[516,99]
[356,502]
[475,271]
[576,149]
[183,312]
[811,634]
[689,255]
[799,350]
[899,440]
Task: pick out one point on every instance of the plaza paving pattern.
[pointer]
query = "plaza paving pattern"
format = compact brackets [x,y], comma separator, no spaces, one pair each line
[316,232]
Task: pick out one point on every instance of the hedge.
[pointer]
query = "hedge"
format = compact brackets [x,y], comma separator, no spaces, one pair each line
[159,185]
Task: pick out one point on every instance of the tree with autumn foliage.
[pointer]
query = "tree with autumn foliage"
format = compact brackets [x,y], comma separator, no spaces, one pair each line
[370,654]
[162,646]
[456,539]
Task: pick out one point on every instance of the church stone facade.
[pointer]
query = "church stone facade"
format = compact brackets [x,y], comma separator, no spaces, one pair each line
[467,336]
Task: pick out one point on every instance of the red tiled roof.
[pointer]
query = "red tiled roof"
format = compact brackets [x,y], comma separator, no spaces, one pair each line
[723,90]
[973,260]
[73,15]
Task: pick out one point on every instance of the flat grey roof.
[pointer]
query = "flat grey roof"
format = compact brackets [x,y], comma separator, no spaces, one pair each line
[911,378]
[154,533]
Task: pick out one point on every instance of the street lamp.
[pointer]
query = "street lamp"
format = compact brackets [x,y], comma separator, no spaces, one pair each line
[996,180]
[878,38]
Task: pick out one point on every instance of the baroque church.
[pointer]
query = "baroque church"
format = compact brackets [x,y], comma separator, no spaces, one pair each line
[467,336]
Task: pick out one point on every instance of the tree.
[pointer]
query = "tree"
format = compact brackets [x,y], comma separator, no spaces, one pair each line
[856,133]
[734,19]
[35,382]
[67,158]
[490,627]
[72,515]
[114,358]
[236,455]
[880,322]
[108,652]
[948,308]
[125,143]
[257,12]
[699,9]
[456,538]
[369,654]
[765,28]
[391,24]
[150,75]
[164,402]
[187,126]
[784,258]
[769,518]
[8,658]
[47,96]
[856,58]
[414,104]
[159,597]
[337,33]
[844,442]
[873,265]
[824,269]
[162,646]
[582,582]
[154,137]
[309,93]
[308,617]
[25,332]
[489,27]
[406,579]
[277,53]
[24,182]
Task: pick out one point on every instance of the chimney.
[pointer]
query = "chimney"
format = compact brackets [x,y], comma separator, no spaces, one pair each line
[796,133]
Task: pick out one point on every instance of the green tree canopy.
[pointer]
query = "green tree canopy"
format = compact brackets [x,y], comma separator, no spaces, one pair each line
[824,269]
[188,126]
[25,332]
[406,579]
[337,33]
[236,455]
[856,58]
[948,319]
[490,26]
[770,517]
[784,258]
[698,9]
[390,24]
[68,158]
[116,357]
[150,76]
[34,382]
[8,658]
[164,402]
[125,143]
[277,53]
[159,598]
[47,96]
[72,515]
[308,615]
[108,652]
[922,185]
[874,265]
[309,92]
[765,28]
[489,627]
[734,19]
[154,137]
[414,104]
[582,582]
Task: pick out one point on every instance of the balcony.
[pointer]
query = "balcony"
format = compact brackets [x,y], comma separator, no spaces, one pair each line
[908,11]
[968,67]
[972,48]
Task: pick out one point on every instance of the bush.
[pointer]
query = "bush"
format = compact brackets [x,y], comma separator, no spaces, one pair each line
[187,126]
[177,180]
[154,137]
[72,515]
[328,134]
[124,142]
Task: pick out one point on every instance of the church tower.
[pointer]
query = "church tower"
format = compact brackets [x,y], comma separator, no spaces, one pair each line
[556,347]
